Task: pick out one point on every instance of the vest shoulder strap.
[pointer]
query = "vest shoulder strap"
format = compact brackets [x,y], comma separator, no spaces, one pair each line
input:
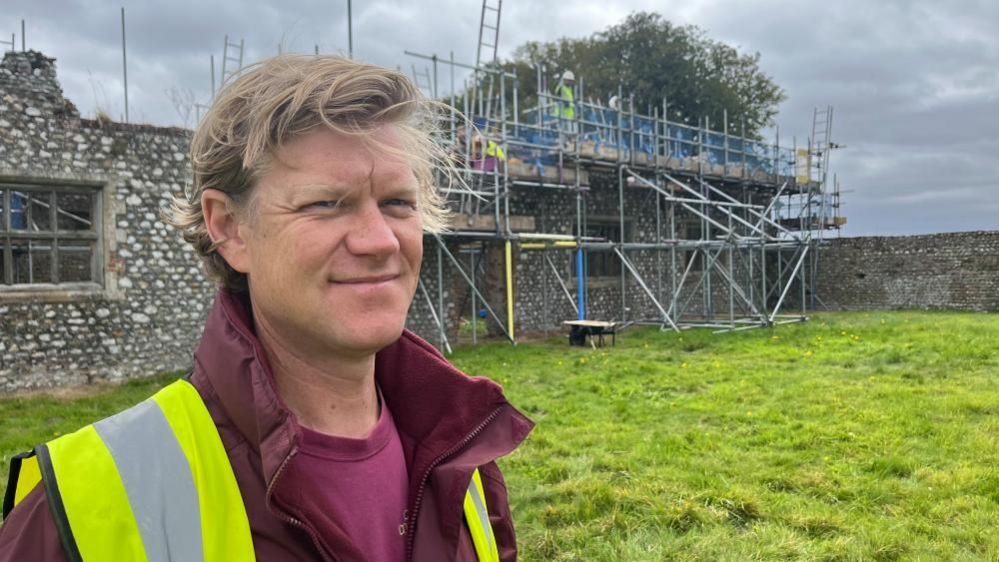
[151,483]
[24,475]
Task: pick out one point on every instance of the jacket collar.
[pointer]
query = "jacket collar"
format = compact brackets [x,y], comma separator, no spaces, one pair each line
[436,407]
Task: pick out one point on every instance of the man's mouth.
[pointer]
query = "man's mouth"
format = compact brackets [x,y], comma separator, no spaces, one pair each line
[368,279]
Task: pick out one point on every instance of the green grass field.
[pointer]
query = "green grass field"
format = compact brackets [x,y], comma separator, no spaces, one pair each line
[868,436]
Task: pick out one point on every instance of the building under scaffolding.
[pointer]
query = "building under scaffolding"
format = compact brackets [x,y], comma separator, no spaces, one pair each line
[576,210]
[573,210]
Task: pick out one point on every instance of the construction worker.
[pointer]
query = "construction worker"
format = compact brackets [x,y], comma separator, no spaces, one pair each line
[494,150]
[491,158]
[313,426]
[566,96]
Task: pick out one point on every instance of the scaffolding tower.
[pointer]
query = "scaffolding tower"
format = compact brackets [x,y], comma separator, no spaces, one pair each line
[636,219]
[732,245]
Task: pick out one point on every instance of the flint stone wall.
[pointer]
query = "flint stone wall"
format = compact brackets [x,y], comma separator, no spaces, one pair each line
[951,271]
[147,315]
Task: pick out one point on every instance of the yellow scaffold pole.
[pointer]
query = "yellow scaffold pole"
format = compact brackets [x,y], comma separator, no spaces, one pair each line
[544,245]
[509,290]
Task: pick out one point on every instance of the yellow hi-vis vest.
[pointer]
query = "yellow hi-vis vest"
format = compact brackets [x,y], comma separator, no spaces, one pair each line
[154,484]
[494,150]
[566,102]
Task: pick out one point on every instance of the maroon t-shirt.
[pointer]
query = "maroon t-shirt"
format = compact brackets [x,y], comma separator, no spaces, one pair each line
[362,483]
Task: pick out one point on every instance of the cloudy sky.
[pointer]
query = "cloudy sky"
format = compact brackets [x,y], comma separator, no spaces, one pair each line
[914,83]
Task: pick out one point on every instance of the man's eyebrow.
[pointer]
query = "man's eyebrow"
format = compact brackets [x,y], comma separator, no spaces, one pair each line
[324,189]
[404,188]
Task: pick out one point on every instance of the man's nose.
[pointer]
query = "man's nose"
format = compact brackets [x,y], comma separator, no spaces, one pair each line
[371,233]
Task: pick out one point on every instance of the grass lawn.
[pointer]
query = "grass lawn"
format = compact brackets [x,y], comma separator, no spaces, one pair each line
[868,436]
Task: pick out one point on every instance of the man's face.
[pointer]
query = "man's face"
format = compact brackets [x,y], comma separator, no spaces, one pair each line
[333,245]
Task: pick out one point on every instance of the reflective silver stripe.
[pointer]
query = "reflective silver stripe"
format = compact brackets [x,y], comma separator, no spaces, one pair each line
[480,508]
[157,478]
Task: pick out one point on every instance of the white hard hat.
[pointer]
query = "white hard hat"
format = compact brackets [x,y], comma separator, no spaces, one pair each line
[568,75]
[614,102]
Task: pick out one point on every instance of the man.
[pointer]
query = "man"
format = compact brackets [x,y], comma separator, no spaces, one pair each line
[565,96]
[313,427]
[491,158]
[564,108]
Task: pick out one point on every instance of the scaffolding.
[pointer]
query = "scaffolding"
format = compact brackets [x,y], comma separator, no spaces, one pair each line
[710,227]
[13,44]
[737,221]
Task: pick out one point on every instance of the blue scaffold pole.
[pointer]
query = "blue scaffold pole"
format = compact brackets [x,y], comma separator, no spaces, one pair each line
[581,283]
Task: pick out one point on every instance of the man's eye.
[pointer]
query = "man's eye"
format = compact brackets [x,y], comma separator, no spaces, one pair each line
[400,203]
[327,204]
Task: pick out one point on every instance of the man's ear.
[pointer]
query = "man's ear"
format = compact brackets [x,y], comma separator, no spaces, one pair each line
[224,229]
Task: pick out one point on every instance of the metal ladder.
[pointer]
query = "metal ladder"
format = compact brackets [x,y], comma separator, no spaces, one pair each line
[487,52]
[821,146]
[483,26]
[822,143]
[232,57]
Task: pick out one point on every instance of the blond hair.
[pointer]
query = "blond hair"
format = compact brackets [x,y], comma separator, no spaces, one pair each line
[286,96]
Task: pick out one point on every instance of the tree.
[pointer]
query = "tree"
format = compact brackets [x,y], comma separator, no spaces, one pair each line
[651,59]
[183,102]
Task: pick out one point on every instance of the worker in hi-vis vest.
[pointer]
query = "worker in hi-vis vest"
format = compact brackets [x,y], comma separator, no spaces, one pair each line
[495,156]
[312,426]
[565,97]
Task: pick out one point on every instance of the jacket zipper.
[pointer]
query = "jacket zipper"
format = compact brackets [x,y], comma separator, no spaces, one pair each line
[411,523]
[289,519]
